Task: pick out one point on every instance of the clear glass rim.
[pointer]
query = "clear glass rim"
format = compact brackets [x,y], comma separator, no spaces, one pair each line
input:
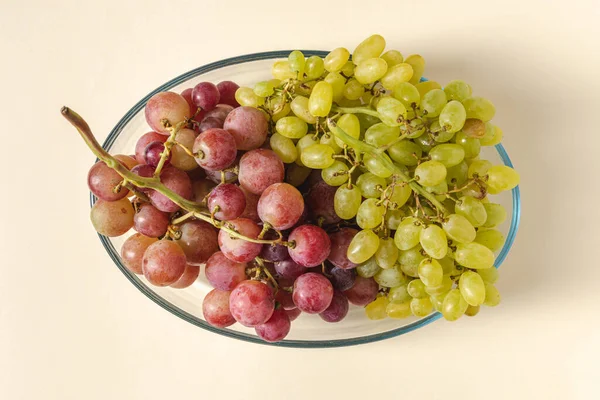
[114,254]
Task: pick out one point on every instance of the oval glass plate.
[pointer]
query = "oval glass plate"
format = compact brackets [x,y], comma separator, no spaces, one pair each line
[308,331]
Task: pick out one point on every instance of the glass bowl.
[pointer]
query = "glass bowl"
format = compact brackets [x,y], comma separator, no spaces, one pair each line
[308,331]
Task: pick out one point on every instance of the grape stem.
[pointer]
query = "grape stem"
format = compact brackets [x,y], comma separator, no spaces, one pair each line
[168,144]
[373,151]
[356,110]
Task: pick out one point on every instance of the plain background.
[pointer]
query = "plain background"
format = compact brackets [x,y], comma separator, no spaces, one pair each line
[71,325]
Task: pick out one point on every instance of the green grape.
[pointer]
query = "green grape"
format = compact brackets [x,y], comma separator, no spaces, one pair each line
[408,233]
[438,190]
[480,108]
[449,204]
[474,255]
[321,98]
[366,121]
[488,132]
[263,89]
[442,288]
[335,60]
[371,185]
[398,310]
[453,116]
[396,75]
[376,309]
[408,94]
[421,307]
[314,67]
[392,57]
[410,259]
[416,289]
[437,301]
[472,311]
[440,135]
[411,270]
[496,215]
[348,69]
[381,134]
[471,146]
[370,47]
[448,265]
[375,166]
[494,138]
[317,156]
[472,288]
[281,70]
[284,148]
[492,239]
[425,142]
[304,88]
[350,124]
[299,107]
[433,102]
[418,65]
[474,128]
[448,154]
[492,296]
[459,229]
[291,127]
[405,152]
[454,305]
[393,218]
[457,90]
[479,168]
[399,294]
[400,195]
[295,174]
[390,278]
[336,174]
[387,254]
[329,140]
[430,173]
[337,83]
[303,143]
[392,111]
[246,97]
[347,201]
[427,86]
[370,214]
[502,178]
[489,275]
[368,269]
[279,108]
[344,102]
[472,209]
[369,71]
[363,246]
[353,90]
[457,175]
[434,242]
[297,62]
[431,272]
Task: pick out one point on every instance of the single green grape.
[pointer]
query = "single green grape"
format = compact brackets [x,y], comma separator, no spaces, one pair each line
[408,94]
[459,229]
[370,214]
[417,62]
[433,102]
[350,124]
[371,185]
[457,175]
[246,97]
[400,195]
[393,218]
[369,268]
[381,134]
[398,310]
[329,140]
[453,116]
[496,215]
[317,156]
[438,190]
[490,238]
[346,201]
[300,108]
[335,60]
[337,83]
[392,111]
[282,70]
[396,75]
[421,307]
[471,146]
[279,108]
[377,308]
[363,246]
[284,148]
[442,288]
[494,138]
[387,254]
[472,209]
[370,47]
[370,70]
[263,89]
[314,67]
[392,57]
[405,152]
[348,69]
[353,90]
[297,62]
[439,134]
[336,174]
[408,233]
[410,259]
[291,127]
[399,294]
[425,142]
[304,142]
[474,255]
[480,108]
[472,311]
[438,301]
[457,90]
[502,178]
[479,168]
[304,88]
[448,154]
[472,288]
[489,275]
[416,289]
[376,166]
[434,242]
[430,173]
[321,99]
[390,278]
[431,272]
[454,305]
[427,86]
[492,295]
[448,265]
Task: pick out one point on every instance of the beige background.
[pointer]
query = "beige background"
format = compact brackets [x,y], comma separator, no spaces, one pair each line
[72,327]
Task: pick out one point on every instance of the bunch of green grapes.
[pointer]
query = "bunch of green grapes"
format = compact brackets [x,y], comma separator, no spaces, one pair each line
[404,154]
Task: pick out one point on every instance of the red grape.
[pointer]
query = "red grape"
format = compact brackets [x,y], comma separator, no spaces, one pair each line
[238,249]
[312,293]
[363,292]
[276,328]
[274,253]
[220,112]
[198,241]
[215,176]
[163,263]
[248,126]
[320,203]
[206,95]
[312,245]
[215,309]
[217,147]
[293,313]
[227,90]
[133,250]
[340,241]
[166,105]
[251,211]
[144,141]
[280,205]
[229,198]
[224,274]
[209,123]
[337,310]
[102,180]
[342,279]
[128,161]
[251,303]
[284,298]
[178,182]
[259,169]
[289,269]
[112,218]
[201,188]
[187,95]
[153,153]
[150,221]
[188,278]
